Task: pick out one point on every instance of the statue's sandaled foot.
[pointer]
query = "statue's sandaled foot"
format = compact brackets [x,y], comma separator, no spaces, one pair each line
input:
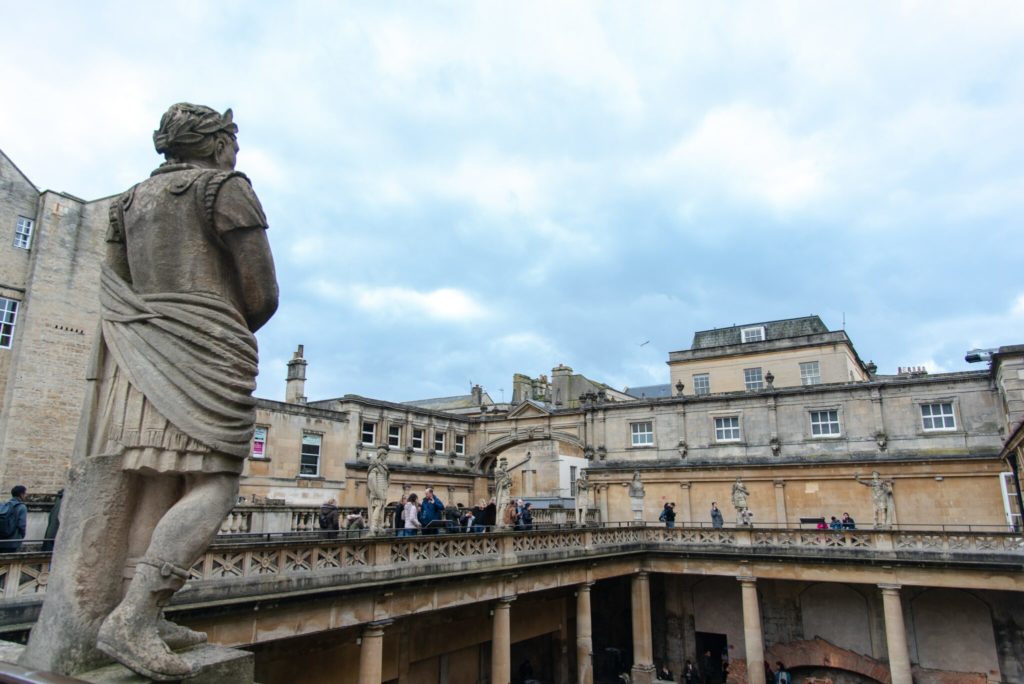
[140,649]
[179,636]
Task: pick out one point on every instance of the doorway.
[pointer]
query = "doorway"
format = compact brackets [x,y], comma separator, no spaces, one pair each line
[712,652]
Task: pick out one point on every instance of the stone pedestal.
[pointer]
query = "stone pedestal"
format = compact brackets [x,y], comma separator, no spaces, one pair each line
[895,634]
[216,664]
[643,655]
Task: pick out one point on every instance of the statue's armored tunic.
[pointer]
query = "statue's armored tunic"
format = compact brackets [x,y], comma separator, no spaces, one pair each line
[178,360]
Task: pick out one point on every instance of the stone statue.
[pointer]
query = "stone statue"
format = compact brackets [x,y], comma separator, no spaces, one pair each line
[582,497]
[636,487]
[502,492]
[168,416]
[739,502]
[378,477]
[881,497]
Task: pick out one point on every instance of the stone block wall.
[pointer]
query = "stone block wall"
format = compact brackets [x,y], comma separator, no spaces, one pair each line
[56,325]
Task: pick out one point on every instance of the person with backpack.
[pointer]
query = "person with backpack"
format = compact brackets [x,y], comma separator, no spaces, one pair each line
[13,520]
[668,515]
[329,514]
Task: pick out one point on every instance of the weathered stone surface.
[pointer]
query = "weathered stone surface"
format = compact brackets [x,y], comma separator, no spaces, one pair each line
[213,665]
[168,414]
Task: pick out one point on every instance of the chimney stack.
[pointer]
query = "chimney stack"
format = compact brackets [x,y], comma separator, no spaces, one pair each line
[478,395]
[295,389]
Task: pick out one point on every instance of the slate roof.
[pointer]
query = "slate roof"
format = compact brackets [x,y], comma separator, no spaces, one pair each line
[773,330]
[650,391]
[460,401]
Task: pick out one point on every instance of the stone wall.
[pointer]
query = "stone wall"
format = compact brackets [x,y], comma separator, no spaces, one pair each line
[56,326]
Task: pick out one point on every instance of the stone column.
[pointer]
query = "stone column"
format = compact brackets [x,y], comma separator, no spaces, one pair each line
[752,631]
[895,634]
[371,652]
[780,503]
[501,642]
[643,658]
[584,636]
[684,504]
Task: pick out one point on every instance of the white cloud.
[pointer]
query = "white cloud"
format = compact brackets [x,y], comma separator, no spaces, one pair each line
[394,302]
[749,152]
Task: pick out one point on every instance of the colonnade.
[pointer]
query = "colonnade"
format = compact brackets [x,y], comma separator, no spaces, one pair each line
[643,671]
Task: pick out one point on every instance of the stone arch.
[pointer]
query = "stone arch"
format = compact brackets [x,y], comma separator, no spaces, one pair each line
[953,632]
[838,614]
[818,654]
[492,450]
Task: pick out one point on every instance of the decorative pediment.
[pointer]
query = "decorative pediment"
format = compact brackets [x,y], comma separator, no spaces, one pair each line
[529,409]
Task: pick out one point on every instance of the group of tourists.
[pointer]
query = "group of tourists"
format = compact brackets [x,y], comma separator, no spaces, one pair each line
[713,670]
[847,523]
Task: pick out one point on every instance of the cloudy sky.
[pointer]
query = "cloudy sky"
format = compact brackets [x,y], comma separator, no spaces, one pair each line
[461,191]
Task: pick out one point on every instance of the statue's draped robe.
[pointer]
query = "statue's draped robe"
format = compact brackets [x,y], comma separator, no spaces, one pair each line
[170,389]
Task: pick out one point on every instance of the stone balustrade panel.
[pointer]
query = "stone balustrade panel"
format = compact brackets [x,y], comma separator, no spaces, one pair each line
[26,574]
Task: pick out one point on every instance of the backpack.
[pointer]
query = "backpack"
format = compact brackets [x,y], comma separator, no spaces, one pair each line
[325,519]
[662,518]
[9,519]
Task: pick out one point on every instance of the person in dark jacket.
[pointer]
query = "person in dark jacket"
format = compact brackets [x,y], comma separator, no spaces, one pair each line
[491,514]
[53,522]
[19,519]
[526,517]
[668,514]
[399,514]
[431,509]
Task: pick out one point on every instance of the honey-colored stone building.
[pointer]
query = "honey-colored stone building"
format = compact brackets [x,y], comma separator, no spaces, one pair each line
[788,408]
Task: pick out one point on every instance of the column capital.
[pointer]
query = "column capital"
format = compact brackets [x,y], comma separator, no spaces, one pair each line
[684,485]
[642,574]
[890,588]
[507,600]
[779,483]
[746,579]
[584,586]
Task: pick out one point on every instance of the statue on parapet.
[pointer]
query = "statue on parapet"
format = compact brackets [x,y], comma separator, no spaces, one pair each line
[582,497]
[502,492]
[378,477]
[881,497]
[739,502]
[168,416]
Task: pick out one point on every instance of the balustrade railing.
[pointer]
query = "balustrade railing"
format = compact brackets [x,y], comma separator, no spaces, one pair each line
[239,556]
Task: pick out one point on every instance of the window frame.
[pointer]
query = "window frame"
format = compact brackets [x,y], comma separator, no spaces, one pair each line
[372,432]
[440,437]
[719,429]
[418,435]
[634,434]
[319,452]
[940,403]
[262,442]
[753,385]
[752,333]
[24,227]
[701,389]
[395,438]
[837,423]
[804,377]
[460,445]
[8,321]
